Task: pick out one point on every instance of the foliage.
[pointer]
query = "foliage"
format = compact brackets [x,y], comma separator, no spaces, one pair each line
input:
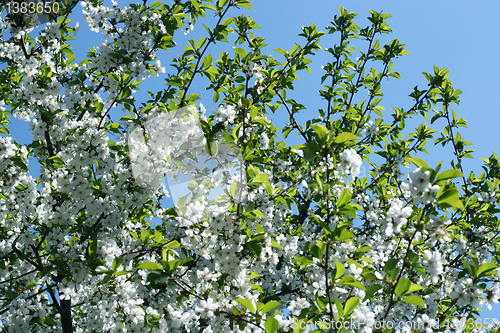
[314,240]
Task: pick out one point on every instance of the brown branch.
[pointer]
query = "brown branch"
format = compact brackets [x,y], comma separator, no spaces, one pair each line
[327,283]
[291,116]
[222,311]
[20,276]
[391,300]
[210,41]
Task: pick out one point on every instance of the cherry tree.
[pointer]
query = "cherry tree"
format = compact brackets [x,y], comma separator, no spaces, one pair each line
[271,237]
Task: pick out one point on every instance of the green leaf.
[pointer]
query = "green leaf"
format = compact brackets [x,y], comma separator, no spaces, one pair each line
[339,269]
[116,263]
[246,303]
[199,45]
[173,244]
[322,301]
[354,283]
[344,198]
[449,174]
[172,265]
[240,51]
[145,235]
[270,306]
[4,130]
[468,266]
[363,249]
[244,4]
[256,287]
[351,304]
[339,307]
[255,246]
[211,72]
[258,213]
[350,281]
[348,210]
[207,62]
[450,198]
[419,162]
[227,21]
[344,137]
[372,290]
[114,127]
[416,300]
[320,130]
[275,244]
[485,269]
[340,233]
[150,265]
[57,161]
[93,245]
[258,180]
[413,288]
[18,161]
[47,269]
[271,325]
[402,286]
[391,267]
[129,118]
[318,250]
[304,261]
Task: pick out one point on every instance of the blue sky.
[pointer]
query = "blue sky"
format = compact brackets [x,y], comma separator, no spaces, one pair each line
[459,35]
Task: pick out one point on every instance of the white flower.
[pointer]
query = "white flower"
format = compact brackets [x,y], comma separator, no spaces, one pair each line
[207,307]
[77,28]
[433,264]
[371,128]
[263,141]
[178,317]
[253,69]
[298,152]
[225,113]
[488,197]
[420,179]
[354,270]
[259,85]
[458,324]
[420,187]
[206,275]
[492,296]
[189,28]
[157,67]
[365,318]
[350,162]
[426,322]
[397,217]
[439,229]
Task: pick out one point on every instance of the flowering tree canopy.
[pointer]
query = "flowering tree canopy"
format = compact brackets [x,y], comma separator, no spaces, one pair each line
[296,234]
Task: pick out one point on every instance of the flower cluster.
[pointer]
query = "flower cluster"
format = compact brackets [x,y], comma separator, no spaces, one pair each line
[421,190]
[350,162]
[248,234]
[371,128]
[225,113]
